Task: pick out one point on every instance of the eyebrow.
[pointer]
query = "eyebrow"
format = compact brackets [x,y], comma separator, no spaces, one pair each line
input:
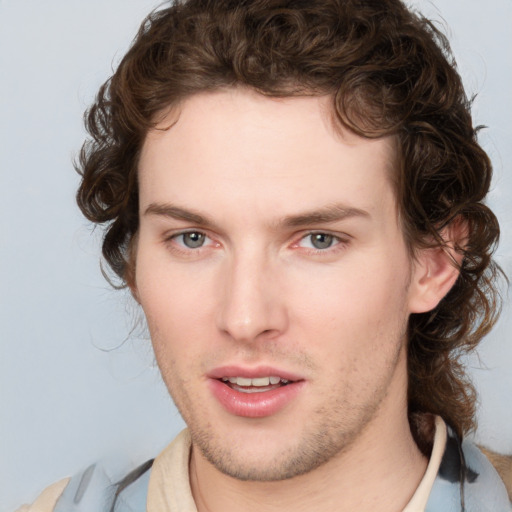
[332,213]
[329,214]
[175,212]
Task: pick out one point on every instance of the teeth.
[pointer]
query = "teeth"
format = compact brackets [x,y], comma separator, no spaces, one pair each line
[261,381]
[257,382]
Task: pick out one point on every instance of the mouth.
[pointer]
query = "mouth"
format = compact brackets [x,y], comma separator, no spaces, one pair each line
[255,392]
[255,385]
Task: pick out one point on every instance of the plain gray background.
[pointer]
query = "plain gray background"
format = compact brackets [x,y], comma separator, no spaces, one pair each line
[75,385]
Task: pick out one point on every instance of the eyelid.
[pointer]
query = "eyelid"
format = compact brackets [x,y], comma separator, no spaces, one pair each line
[342,239]
[171,237]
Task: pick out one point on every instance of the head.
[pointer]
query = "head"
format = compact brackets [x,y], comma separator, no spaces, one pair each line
[384,74]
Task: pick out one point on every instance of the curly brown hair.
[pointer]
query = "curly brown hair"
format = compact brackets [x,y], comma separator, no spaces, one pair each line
[389,72]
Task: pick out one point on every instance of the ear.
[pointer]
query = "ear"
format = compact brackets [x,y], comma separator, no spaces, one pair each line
[436,269]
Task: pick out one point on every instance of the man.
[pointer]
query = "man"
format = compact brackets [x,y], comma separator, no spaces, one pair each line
[294,195]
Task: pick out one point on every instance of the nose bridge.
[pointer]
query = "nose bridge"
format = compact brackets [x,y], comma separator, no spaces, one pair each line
[251,305]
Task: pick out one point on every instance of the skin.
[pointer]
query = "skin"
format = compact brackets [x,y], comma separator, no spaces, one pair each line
[259,293]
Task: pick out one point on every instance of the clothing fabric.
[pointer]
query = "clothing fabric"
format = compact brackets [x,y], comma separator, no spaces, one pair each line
[458,478]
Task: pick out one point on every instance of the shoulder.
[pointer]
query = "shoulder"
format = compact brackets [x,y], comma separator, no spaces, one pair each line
[503,465]
[98,487]
[483,487]
[119,484]
[47,499]
[467,478]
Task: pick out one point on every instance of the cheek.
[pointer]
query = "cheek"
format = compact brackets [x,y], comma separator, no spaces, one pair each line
[359,314]
[173,304]
[165,287]
[352,293]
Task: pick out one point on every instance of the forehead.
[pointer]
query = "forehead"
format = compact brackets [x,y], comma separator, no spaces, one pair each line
[237,145]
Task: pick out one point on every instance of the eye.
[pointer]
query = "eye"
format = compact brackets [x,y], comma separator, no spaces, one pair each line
[323,244]
[190,244]
[191,239]
[319,241]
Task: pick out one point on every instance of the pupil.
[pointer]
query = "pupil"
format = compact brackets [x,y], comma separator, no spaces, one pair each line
[321,240]
[193,240]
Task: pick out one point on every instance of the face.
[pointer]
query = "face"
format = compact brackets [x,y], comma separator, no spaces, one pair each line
[275,280]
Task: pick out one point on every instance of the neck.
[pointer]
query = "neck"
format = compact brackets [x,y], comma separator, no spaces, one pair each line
[380,471]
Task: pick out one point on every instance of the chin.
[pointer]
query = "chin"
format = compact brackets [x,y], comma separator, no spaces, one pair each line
[243,459]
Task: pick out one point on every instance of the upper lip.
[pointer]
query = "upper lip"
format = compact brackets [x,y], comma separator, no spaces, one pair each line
[252,373]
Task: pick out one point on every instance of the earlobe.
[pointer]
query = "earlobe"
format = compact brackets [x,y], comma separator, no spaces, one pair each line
[436,269]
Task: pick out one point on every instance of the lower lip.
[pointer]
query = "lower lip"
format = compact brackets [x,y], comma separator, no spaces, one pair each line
[254,405]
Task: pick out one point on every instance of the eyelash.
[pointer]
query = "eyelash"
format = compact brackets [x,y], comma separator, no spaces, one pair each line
[339,243]
[180,247]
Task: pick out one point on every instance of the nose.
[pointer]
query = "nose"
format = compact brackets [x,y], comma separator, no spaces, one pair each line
[252,304]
